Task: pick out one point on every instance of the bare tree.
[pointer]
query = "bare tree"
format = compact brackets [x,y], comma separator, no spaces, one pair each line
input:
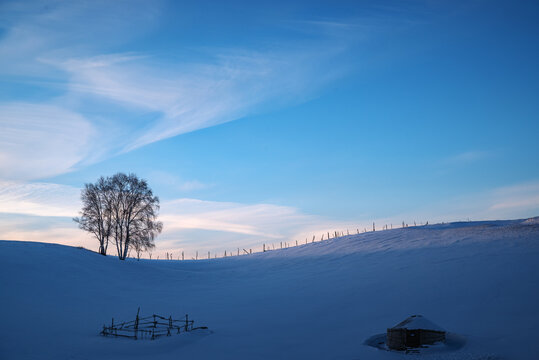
[122,207]
[96,212]
[134,213]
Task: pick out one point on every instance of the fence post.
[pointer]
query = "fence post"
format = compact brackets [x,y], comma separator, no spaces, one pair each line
[182,255]
[136,323]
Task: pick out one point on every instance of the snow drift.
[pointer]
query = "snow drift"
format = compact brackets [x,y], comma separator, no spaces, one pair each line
[479,280]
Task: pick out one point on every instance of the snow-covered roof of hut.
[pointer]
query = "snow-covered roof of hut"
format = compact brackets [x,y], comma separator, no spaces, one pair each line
[415,322]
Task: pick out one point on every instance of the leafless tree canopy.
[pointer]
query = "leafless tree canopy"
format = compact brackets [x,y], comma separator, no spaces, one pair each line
[96,217]
[121,208]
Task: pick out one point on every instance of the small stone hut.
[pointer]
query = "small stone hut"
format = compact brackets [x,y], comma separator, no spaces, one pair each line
[414,332]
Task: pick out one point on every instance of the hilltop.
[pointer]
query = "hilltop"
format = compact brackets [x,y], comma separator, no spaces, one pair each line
[322,300]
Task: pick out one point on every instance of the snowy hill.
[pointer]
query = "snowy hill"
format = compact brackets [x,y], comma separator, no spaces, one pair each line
[479,280]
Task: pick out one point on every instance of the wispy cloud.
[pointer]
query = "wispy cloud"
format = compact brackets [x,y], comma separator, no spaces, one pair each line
[40,199]
[48,135]
[467,157]
[175,182]
[516,197]
[258,219]
[55,46]
[38,140]
[37,29]
[193,96]
[59,230]
[55,235]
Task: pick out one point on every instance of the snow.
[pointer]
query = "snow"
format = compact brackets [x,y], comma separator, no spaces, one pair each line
[415,322]
[478,280]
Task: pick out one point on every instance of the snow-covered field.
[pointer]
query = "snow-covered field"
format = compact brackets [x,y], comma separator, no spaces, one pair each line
[478,280]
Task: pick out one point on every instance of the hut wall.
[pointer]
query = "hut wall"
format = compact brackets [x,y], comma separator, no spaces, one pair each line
[400,339]
[428,337]
[396,339]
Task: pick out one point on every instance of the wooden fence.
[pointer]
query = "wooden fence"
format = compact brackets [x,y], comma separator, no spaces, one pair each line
[285,245]
[149,327]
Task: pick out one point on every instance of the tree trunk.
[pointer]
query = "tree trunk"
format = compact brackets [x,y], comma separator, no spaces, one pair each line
[126,244]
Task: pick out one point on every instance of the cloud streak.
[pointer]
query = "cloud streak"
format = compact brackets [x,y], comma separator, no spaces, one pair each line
[41,29]
[467,157]
[39,140]
[153,95]
[516,197]
[259,219]
[39,199]
[194,96]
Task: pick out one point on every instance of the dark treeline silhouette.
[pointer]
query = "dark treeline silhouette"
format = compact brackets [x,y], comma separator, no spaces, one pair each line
[123,210]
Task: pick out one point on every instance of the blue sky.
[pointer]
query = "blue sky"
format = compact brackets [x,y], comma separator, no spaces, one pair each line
[261,122]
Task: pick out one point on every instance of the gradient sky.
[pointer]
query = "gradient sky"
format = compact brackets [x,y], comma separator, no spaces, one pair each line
[260,122]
